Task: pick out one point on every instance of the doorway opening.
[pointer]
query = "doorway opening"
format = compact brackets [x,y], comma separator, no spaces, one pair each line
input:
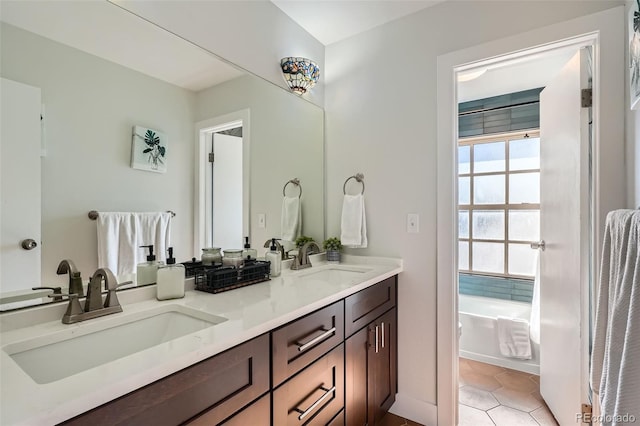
[579,303]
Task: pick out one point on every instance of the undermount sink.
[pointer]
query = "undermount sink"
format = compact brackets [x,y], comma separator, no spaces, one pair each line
[53,357]
[334,273]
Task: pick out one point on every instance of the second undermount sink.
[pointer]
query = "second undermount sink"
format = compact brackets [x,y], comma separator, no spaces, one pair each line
[50,358]
[334,273]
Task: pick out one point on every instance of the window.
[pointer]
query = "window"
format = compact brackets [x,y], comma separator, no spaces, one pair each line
[499,204]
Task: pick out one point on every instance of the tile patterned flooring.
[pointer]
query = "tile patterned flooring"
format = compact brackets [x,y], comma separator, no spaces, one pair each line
[496,396]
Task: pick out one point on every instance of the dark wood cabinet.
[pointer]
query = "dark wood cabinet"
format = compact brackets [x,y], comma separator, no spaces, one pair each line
[317,377]
[371,360]
[315,395]
[222,384]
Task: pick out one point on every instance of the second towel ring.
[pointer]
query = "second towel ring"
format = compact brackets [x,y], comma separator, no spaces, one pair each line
[294,181]
[358,177]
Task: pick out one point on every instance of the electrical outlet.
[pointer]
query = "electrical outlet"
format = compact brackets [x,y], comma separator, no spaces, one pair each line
[262,220]
[413,223]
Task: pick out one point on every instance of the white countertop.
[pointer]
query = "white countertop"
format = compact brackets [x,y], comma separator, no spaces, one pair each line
[250,311]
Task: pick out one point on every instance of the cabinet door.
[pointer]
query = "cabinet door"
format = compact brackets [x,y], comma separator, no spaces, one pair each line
[382,366]
[314,396]
[356,352]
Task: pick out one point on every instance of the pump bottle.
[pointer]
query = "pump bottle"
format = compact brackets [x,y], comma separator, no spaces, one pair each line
[248,253]
[274,256]
[147,272]
[170,279]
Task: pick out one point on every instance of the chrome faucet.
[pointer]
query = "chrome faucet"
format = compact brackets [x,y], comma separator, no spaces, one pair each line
[93,306]
[301,261]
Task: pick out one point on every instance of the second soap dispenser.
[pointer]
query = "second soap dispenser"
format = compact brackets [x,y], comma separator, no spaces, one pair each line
[170,279]
[248,253]
[147,272]
[275,257]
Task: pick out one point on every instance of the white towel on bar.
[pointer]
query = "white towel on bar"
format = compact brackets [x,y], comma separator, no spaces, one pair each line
[615,357]
[513,337]
[353,224]
[120,235]
[291,221]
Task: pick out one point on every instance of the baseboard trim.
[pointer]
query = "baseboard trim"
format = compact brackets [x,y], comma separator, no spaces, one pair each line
[415,410]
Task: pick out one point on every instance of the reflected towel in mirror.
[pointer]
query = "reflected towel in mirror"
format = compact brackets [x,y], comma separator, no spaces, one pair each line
[120,235]
[291,218]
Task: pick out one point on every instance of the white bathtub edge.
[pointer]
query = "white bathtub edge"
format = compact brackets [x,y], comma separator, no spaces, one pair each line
[519,365]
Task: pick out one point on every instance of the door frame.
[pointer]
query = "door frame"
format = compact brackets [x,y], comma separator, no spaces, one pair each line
[604,31]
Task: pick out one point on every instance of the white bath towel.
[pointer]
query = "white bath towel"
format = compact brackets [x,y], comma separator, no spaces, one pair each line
[534,319]
[615,357]
[513,337]
[353,224]
[291,221]
[120,234]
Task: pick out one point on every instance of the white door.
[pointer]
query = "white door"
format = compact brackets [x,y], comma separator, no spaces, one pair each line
[564,226]
[19,186]
[227,191]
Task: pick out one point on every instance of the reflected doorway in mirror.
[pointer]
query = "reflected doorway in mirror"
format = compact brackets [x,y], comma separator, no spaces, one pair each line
[148,150]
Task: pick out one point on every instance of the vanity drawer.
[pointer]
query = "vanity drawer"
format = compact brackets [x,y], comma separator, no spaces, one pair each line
[256,414]
[364,306]
[224,383]
[299,343]
[315,396]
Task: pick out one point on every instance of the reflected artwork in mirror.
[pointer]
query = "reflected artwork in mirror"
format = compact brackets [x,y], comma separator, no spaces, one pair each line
[92,94]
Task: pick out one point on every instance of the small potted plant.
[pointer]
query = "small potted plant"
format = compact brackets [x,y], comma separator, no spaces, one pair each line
[302,240]
[333,247]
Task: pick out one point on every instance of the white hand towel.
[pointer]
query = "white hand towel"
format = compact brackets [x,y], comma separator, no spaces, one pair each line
[354,223]
[120,234]
[513,337]
[291,221]
[615,358]
[117,242]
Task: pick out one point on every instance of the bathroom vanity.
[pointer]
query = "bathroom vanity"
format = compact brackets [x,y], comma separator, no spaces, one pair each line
[309,347]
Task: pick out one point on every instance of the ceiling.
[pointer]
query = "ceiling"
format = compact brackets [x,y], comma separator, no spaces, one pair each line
[107,31]
[330,21]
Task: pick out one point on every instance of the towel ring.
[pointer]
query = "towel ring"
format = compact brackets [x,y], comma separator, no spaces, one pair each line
[358,177]
[294,181]
[93,214]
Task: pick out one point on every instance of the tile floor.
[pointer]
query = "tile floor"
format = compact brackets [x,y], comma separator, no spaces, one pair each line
[496,396]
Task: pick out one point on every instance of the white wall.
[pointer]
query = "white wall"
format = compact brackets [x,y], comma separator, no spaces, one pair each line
[286,141]
[633,133]
[381,120]
[91,106]
[254,35]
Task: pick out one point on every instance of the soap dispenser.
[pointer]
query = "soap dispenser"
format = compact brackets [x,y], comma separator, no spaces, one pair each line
[248,253]
[147,272]
[275,257]
[170,279]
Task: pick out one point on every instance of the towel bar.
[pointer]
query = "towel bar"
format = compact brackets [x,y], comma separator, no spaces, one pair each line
[294,181]
[358,177]
[93,214]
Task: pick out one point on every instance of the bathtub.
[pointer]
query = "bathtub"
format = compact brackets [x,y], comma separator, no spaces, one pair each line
[479,340]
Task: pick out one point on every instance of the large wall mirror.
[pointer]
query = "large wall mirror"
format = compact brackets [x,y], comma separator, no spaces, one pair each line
[102,70]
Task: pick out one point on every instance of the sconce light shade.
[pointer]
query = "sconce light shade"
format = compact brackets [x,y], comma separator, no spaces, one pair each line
[301,74]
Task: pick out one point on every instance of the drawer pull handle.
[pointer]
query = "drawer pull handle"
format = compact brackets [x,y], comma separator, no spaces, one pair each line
[308,411]
[377,340]
[305,346]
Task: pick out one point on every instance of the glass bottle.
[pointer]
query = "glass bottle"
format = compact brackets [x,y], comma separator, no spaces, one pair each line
[232,257]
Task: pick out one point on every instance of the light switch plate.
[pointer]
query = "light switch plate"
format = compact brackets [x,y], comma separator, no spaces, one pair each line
[262,220]
[413,223]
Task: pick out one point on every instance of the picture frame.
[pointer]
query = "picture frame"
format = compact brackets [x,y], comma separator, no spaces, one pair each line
[634,54]
[148,150]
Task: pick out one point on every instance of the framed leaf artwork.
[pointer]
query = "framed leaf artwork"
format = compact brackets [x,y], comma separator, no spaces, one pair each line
[149,150]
